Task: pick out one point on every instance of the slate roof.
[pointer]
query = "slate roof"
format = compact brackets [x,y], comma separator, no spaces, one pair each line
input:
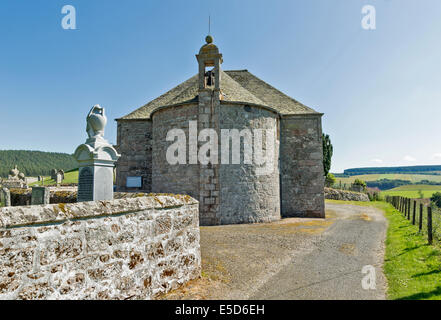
[236,86]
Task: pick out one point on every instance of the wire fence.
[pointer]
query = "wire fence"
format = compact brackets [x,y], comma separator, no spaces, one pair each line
[422,213]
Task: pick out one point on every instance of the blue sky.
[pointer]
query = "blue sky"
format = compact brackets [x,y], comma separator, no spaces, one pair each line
[380,89]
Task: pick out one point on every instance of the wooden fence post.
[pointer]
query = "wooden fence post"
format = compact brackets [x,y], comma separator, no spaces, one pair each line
[403,208]
[401,204]
[429,224]
[414,211]
[406,212]
[420,226]
[409,202]
[404,205]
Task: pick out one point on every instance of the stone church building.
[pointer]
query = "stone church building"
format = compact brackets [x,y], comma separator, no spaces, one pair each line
[227,193]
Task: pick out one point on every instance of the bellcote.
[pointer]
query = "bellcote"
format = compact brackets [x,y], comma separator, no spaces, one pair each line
[209,56]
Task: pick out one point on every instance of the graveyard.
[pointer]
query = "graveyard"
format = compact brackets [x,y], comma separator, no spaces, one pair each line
[90,244]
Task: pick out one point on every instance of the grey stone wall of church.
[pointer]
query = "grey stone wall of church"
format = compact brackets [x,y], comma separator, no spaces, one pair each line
[167,178]
[134,143]
[246,197]
[301,166]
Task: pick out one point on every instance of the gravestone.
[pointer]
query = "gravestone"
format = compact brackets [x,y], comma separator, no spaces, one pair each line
[96,159]
[5,197]
[59,178]
[54,174]
[40,195]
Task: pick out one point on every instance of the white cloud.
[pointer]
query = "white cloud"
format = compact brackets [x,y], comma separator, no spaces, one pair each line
[377,160]
[409,158]
[436,156]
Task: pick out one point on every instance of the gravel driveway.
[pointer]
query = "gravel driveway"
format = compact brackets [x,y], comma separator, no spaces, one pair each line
[293,258]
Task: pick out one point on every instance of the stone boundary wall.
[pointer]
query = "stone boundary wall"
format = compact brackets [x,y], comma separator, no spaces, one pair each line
[335,194]
[23,197]
[131,248]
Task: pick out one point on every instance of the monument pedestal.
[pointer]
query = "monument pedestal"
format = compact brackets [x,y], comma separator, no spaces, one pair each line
[96,160]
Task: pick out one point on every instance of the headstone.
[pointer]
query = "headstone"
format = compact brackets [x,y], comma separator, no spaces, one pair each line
[54,174]
[59,178]
[5,197]
[40,195]
[96,160]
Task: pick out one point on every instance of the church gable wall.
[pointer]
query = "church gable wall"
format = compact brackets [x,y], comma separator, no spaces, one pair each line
[301,164]
[135,147]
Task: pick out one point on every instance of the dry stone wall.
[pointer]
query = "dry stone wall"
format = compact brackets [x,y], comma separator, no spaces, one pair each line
[130,248]
[345,195]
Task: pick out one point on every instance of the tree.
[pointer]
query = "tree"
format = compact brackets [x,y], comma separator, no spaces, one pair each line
[436,198]
[330,180]
[360,183]
[327,154]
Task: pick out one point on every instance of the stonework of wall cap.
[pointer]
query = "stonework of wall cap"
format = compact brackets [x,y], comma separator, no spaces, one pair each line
[51,213]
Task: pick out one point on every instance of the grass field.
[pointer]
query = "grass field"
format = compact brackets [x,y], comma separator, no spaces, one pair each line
[411,266]
[69,178]
[411,191]
[374,177]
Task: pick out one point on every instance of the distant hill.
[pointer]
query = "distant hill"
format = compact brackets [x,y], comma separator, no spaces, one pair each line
[35,163]
[432,170]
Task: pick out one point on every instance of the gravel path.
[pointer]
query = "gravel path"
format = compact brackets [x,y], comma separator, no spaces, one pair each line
[332,270]
[293,258]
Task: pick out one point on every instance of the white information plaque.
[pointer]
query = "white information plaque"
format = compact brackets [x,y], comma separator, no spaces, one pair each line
[134,182]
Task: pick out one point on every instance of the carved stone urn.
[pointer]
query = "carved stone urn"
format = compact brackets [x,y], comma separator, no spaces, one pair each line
[96,122]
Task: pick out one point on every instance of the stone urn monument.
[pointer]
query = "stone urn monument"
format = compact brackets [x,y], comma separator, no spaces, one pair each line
[96,158]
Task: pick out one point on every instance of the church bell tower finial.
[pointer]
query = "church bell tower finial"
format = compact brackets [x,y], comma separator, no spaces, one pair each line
[209,56]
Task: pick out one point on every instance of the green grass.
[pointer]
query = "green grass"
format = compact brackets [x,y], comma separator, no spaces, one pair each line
[374,177]
[411,266]
[411,191]
[70,177]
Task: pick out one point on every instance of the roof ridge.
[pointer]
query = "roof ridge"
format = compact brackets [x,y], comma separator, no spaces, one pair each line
[279,92]
[238,86]
[245,89]
[240,70]
[274,88]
